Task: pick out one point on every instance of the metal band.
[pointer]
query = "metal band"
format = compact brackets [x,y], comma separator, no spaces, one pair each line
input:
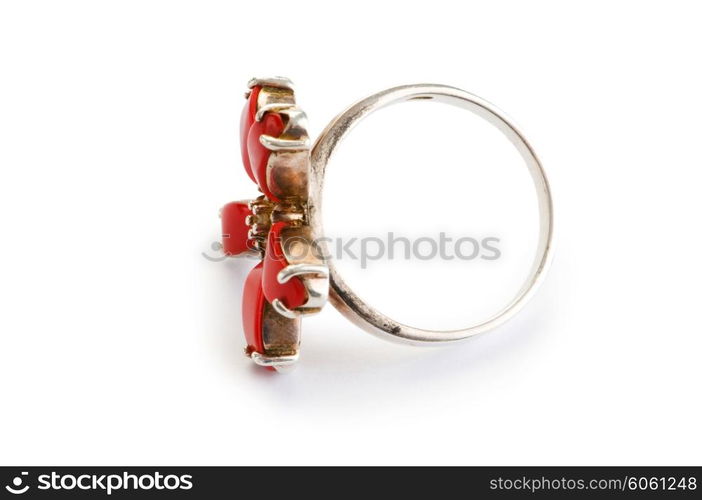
[343,298]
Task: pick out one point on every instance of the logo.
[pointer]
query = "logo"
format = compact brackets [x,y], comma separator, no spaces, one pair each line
[16,487]
[109,483]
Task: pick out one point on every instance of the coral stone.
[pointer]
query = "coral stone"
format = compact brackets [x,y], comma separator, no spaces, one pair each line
[235,240]
[292,293]
[253,305]
[271,124]
[248,117]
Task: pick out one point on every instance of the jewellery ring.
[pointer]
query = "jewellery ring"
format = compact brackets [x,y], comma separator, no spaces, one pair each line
[287,284]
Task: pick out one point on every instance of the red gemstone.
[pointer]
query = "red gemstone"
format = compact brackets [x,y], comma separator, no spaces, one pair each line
[292,293]
[271,124]
[235,240]
[248,117]
[253,304]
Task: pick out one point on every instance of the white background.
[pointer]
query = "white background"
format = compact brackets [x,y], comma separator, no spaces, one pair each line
[120,343]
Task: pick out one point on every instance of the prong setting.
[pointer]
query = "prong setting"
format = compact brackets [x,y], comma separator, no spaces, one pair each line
[271,107]
[274,81]
[278,362]
[278,144]
[301,270]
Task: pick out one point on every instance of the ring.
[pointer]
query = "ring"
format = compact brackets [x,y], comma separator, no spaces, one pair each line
[283,225]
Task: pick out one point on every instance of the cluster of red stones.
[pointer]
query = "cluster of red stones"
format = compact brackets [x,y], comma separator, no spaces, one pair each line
[262,284]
